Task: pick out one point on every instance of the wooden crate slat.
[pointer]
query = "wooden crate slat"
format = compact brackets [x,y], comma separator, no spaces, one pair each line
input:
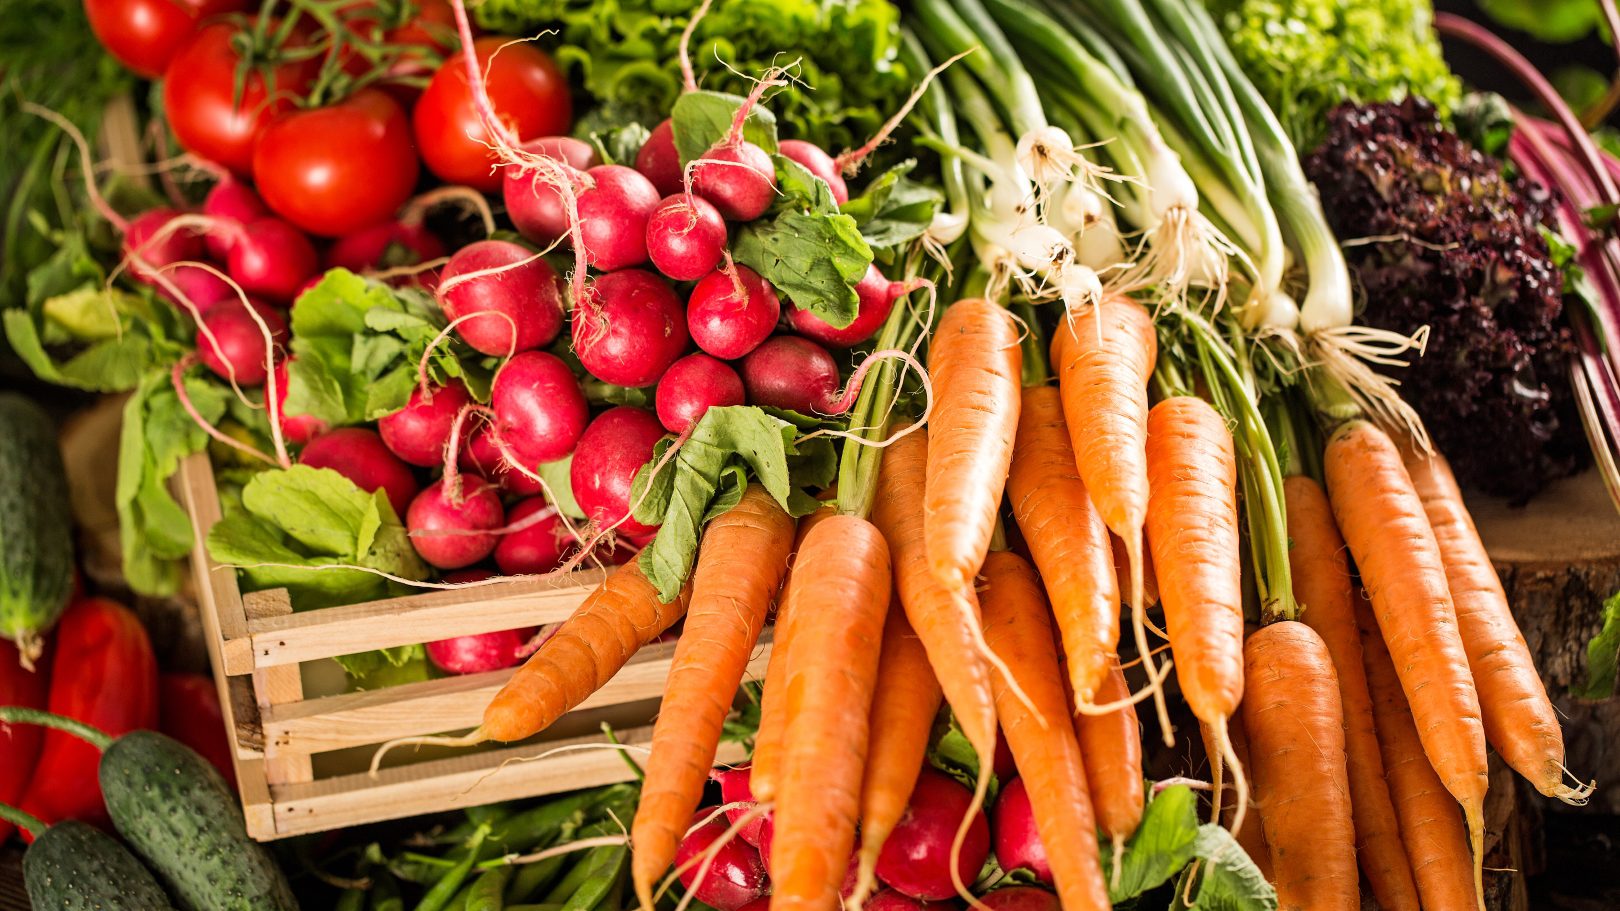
[219,597]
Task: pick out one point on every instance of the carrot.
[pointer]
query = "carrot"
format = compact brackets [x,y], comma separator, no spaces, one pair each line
[1067,539]
[1103,358]
[1519,718]
[903,710]
[1018,627]
[588,648]
[1382,518]
[740,566]
[1112,746]
[1251,836]
[1322,584]
[1192,526]
[1296,747]
[839,600]
[974,362]
[764,766]
[1436,839]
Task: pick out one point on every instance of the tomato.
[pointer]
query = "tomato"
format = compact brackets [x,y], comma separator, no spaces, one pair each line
[145,34]
[527,90]
[199,96]
[337,169]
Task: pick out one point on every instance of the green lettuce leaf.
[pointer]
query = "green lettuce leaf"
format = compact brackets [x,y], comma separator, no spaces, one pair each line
[1603,655]
[699,120]
[1163,844]
[894,209]
[1225,878]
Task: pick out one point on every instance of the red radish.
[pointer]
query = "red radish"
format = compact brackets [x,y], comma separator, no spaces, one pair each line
[1018,845]
[237,349]
[613,202]
[297,428]
[418,432]
[1020,898]
[147,255]
[480,653]
[729,324]
[536,548]
[737,176]
[629,328]
[230,205]
[576,153]
[609,454]
[916,858]
[877,296]
[196,285]
[890,900]
[1003,765]
[272,258]
[734,789]
[792,373]
[817,162]
[758,904]
[523,302]
[359,455]
[455,528]
[693,385]
[540,410]
[686,237]
[383,246]
[659,161]
[483,456]
[736,875]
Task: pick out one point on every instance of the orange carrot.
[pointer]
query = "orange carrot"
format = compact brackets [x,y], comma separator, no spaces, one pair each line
[903,710]
[1322,584]
[588,648]
[1067,539]
[1251,836]
[1111,745]
[1436,839]
[1296,751]
[1519,718]
[1018,627]
[740,566]
[841,600]
[974,362]
[1192,526]
[1382,518]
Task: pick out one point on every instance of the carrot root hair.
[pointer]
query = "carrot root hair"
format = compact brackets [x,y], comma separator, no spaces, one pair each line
[471,738]
[1576,796]
[981,791]
[1116,861]
[1240,781]
[1155,684]
[1474,815]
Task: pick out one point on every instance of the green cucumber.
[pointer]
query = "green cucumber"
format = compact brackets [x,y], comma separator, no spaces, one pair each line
[74,867]
[36,534]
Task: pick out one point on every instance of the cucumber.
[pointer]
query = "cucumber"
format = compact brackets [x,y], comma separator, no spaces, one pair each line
[74,867]
[177,814]
[36,535]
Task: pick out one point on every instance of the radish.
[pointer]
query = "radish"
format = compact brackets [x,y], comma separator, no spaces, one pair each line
[418,432]
[758,904]
[613,203]
[538,546]
[851,873]
[1020,898]
[731,311]
[792,373]
[297,428]
[231,204]
[609,454]
[658,160]
[693,385]
[540,410]
[1003,764]
[628,328]
[890,900]
[483,456]
[916,858]
[736,875]
[272,258]
[454,528]
[199,286]
[237,349]
[482,652]
[576,153]
[147,255]
[520,293]
[877,296]
[392,243]
[817,162]
[734,789]
[686,237]
[360,455]
[736,175]
[1018,845]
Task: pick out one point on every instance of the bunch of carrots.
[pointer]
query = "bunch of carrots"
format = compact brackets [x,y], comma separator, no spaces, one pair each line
[1348,729]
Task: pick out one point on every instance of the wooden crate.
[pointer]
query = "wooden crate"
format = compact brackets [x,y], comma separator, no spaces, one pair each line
[283,737]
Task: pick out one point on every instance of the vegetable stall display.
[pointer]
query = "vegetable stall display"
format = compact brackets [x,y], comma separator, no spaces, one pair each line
[999,362]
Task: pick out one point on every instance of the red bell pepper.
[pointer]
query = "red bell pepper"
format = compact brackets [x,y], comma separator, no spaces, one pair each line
[19,743]
[190,713]
[105,675]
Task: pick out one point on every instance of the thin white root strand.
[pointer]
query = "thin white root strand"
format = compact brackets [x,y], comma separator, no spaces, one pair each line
[471,738]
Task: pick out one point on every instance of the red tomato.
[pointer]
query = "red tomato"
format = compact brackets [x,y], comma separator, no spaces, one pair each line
[337,169]
[189,711]
[527,90]
[145,34]
[433,27]
[199,97]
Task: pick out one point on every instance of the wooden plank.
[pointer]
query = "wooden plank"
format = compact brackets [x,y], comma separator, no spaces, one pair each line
[219,597]
[391,622]
[450,704]
[279,685]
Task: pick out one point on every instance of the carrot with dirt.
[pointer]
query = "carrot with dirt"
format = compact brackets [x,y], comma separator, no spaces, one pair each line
[1519,718]
[1435,835]
[1383,521]
[1323,586]
[903,710]
[1295,727]
[1018,627]
[740,566]
[1111,744]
